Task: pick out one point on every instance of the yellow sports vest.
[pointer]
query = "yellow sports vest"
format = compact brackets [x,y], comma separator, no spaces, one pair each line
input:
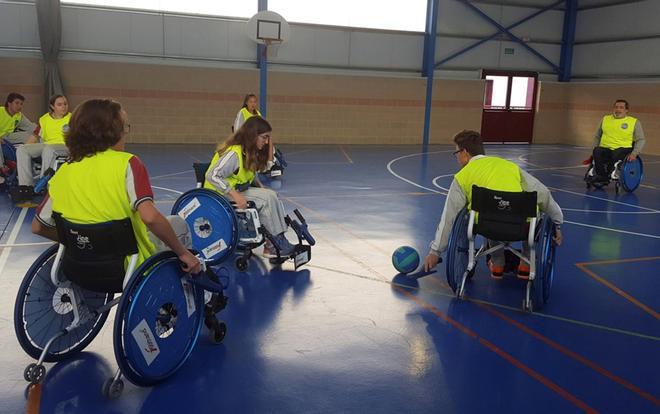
[243,176]
[53,130]
[8,123]
[247,114]
[492,173]
[93,190]
[617,133]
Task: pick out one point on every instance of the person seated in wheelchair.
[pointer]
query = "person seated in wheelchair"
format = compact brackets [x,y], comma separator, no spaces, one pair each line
[232,173]
[276,163]
[15,128]
[492,173]
[52,127]
[101,182]
[619,136]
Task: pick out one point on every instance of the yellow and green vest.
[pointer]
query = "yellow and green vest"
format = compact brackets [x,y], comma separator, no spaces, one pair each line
[53,130]
[617,132]
[8,123]
[492,173]
[241,177]
[93,190]
[247,114]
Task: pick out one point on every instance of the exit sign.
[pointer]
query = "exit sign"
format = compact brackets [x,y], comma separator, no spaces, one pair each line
[508,50]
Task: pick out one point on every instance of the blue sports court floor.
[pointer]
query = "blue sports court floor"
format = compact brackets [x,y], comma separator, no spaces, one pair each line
[339,336]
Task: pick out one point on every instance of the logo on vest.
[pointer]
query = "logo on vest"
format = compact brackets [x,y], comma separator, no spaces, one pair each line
[82,242]
[65,128]
[624,126]
[502,204]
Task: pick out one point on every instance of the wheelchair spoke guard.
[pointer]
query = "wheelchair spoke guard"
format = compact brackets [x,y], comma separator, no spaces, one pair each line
[212,221]
[545,264]
[42,310]
[457,250]
[631,174]
[158,321]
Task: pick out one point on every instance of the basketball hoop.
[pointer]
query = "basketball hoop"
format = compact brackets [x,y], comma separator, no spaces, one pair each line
[269,29]
[271,47]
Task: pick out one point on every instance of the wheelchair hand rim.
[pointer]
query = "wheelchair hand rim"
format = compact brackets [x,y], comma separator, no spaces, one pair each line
[169,352]
[218,240]
[50,314]
[631,175]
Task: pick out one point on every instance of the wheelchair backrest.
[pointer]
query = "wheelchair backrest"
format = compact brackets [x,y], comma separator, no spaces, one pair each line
[200,172]
[503,215]
[94,253]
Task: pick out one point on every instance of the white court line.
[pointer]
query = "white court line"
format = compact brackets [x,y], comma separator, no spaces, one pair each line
[12,238]
[26,244]
[494,304]
[584,210]
[172,174]
[389,168]
[167,189]
[604,199]
[435,181]
[653,236]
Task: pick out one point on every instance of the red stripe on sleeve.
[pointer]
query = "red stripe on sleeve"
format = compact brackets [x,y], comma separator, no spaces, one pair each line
[140,179]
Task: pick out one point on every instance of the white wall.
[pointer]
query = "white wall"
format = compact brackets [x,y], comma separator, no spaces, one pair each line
[222,42]
[601,50]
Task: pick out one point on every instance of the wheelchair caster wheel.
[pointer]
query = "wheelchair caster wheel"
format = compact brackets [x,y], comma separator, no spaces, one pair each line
[112,389]
[241,264]
[217,332]
[34,373]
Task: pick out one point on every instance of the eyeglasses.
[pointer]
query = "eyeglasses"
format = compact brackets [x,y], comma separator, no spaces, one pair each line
[457,151]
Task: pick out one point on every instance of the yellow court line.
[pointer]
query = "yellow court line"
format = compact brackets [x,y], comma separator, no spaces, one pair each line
[345,154]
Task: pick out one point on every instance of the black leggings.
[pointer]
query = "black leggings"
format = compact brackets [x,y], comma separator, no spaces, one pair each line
[605,158]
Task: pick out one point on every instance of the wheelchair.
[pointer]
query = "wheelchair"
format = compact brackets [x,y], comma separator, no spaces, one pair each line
[67,293]
[218,228]
[41,181]
[506,217]
[277,169]
[625,174]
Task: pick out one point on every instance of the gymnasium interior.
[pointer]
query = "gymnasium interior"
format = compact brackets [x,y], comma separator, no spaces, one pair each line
[364,99]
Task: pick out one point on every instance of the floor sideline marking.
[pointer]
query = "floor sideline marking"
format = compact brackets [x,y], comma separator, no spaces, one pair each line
[652,236]
[12,238]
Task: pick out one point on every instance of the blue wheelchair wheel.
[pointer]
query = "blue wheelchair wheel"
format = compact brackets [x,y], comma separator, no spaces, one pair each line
[545,264]
[457,250]
[43,309]
[631,174]
[158,321]
[212,221]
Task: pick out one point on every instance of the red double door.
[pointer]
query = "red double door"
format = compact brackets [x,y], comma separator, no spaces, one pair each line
[509,106]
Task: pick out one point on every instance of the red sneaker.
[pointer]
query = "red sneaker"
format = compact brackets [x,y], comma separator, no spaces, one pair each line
[496,272]
[523,270]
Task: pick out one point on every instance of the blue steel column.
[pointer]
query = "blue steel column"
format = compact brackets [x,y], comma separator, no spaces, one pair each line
[568,38]
[429,65]
[262,63]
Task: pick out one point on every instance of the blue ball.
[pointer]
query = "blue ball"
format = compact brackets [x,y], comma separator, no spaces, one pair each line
[405,259]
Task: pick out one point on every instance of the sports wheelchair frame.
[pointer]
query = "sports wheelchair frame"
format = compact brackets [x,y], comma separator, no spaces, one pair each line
[506,217]
[218,228]
[67,293]
[625,174]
